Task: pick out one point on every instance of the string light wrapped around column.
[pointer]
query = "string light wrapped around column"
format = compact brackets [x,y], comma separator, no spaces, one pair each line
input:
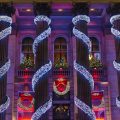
[44,34]
[3,70]
[117,35]
[5,105]
[44,69]
[80,104]
[41,110]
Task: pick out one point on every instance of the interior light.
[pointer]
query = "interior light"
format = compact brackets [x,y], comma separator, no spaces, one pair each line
[60,10]
[92,9]
[28,10]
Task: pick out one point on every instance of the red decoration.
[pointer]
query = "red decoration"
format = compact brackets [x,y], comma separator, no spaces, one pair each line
[61,86]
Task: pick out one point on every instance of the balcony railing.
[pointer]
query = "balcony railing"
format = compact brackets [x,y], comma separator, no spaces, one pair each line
[99,74]
[24,73]
[61,71]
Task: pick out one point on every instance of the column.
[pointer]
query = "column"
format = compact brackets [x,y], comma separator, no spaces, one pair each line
[6,9]
[41,90]
[113,47]
[82,53]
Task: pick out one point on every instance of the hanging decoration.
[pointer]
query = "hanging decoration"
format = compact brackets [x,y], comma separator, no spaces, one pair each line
[4,106]
[4,68]
[44,69]
[85,73]
[39,74]
[26,97]
[61,86]
[82,70]
[117,35]
[44,34]
[80,34]
[81,105]
[41,110]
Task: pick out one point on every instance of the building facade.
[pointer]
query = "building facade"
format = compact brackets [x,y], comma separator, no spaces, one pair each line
[54,75]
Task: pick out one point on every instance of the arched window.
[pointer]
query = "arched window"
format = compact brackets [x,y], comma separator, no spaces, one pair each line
[26,52]
[95,48]
[60,52]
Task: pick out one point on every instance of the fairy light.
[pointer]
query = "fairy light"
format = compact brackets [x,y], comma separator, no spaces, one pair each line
[81,105]
[4,68]
[85,73]
[44,34]
[116,65]
[80,34]
[117,102]
[117,35]
[41,110]
[7,30]
[42,71]
[4,106]
[82,70]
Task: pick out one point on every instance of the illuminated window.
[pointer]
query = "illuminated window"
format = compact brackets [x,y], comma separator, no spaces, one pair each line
[95,48]
[27,55]
[60,53]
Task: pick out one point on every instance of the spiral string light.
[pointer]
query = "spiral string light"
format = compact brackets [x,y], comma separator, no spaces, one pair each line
[82,70]
[44,69]
[3,70]
[39,74]
[81,105]
[44,34]
[117,35]
[7,31]
[80,34]
[4,106]
[41,110]
[118,102]
[85,73]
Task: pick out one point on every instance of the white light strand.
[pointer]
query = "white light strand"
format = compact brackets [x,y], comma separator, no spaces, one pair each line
[44,34]
[117,102]
[113,30]
[6,19]
[41,110]
[42,71]
[85,73]
[116,65]
[4,106]
[4,68]
[8,30]
[81,105]
[80,34]
[117,35]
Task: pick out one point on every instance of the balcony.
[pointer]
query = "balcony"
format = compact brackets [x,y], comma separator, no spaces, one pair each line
[61,71]
[99,74]
[24,73]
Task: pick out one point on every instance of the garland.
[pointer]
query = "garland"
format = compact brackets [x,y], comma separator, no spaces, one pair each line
[23,106]
[63,83]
